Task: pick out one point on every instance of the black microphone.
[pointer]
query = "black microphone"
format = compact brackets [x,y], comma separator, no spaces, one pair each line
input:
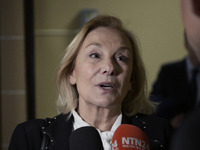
[85,138]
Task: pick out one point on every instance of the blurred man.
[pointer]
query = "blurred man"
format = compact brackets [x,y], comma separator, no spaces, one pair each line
[177,88]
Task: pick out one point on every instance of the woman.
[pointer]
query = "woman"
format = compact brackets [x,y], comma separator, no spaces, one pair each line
[101,83]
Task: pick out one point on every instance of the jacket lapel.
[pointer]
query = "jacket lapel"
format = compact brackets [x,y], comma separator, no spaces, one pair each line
[136,120]
[59,131]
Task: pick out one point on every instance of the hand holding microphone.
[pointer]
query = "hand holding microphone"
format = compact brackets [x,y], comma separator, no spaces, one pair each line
[129,137]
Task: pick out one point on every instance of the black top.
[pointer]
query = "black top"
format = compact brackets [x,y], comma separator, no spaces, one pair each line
[187,136]
[172,89]
[53,134]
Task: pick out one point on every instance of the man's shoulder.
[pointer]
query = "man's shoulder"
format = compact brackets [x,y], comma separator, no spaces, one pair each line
[174,65]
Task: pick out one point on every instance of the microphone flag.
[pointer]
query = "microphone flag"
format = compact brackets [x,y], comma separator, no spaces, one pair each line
[129,137]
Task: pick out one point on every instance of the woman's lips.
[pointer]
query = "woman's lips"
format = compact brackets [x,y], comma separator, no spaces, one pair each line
[106,86]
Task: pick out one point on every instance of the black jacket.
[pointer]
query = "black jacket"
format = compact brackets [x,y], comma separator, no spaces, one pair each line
[172,89]
[53,134]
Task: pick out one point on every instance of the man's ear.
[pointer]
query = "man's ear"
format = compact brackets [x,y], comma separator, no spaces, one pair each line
[72,78]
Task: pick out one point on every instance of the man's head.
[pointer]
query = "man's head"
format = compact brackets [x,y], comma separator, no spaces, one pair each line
[190,11]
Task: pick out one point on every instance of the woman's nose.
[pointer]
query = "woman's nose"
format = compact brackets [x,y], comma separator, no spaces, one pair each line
[108,67]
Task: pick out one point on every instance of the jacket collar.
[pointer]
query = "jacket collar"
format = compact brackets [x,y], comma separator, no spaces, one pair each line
[58,129]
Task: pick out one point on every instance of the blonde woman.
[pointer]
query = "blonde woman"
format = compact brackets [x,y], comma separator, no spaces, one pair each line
[101,83]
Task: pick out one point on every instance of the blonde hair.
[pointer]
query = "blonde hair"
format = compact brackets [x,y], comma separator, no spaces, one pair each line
[135,100]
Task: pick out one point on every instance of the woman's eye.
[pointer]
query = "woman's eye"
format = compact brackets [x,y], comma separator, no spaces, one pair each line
[94,55]
[122,58]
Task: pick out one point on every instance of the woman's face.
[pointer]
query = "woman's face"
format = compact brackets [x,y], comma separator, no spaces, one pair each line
[103,68]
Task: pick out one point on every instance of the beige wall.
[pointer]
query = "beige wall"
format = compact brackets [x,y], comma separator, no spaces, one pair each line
[13,99]
[156,23]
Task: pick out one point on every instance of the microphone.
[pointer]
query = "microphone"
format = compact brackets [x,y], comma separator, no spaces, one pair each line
[129,137]
[85,138]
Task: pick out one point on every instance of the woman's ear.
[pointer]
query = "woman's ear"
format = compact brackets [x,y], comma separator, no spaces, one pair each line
[72,78]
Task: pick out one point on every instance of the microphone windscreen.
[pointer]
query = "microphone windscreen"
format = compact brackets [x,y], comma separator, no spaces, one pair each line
[129,137]
[85,138]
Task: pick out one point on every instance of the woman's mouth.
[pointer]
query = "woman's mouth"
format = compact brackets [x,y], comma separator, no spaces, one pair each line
[106,86]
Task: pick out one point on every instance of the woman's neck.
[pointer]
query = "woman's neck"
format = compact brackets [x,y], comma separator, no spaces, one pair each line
[100,118]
